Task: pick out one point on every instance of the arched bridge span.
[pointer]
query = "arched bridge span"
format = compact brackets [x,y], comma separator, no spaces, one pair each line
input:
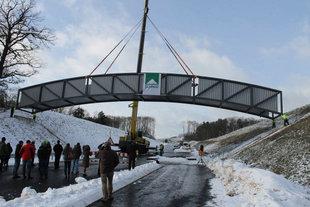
[199,90]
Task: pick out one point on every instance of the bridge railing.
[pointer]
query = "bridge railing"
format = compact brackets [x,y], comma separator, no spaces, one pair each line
[207,91]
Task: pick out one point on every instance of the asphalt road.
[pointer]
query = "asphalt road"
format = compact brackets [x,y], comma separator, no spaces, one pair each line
[11,188]
[170,186]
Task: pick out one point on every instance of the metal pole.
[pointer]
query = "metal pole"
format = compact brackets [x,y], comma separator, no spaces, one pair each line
[281,102]
[142,37]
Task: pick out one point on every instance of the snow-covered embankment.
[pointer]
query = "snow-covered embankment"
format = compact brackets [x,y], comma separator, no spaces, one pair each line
[237,184]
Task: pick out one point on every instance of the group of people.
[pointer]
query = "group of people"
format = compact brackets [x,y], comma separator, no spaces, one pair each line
[72,156]
[25,153]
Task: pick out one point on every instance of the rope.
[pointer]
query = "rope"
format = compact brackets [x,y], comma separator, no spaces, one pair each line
[172,50]
[127,34]
[121,50]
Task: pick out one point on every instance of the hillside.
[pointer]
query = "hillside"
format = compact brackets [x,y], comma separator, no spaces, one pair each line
[283,150]
[54,126]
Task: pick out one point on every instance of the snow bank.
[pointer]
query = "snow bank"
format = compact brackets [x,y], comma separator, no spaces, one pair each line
[239,185]
[78,195]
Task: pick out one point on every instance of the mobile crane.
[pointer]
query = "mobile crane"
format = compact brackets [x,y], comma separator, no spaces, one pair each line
[135,135]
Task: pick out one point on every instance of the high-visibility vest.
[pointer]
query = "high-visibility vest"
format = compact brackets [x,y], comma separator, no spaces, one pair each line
[284,117]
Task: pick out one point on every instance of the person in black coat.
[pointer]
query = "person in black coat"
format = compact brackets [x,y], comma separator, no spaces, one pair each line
[8,153]
[57,150]
[77,152]
[17,159]
[131,150]
[44,153]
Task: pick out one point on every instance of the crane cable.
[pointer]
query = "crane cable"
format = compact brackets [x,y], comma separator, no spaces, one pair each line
[121,49]
[172,50]
[134,28]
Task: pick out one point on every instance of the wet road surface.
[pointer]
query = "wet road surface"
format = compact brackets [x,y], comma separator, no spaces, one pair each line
[170,186]
[11,188]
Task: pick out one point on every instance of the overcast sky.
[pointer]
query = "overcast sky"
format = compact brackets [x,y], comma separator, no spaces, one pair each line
[265,42]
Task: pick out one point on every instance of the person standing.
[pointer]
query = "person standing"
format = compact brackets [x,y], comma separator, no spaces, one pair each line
[273,123]
[17,159]
[8,153]
[108,161]
[86,154]
[97,156]
[3,150]
[285,119]
[67,156]
[201,153]
[12,112]
[33,143]
[44,153]
[161,149]
[77,152]
[131,150]
[27,153]
[34,116]
[57,150]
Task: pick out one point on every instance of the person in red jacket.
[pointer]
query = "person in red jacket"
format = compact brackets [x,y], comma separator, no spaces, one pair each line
[27,153]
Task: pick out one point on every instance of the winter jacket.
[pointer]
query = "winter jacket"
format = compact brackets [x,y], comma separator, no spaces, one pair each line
[131,149]
[86,154]
[9,150]
[201,152]
[58,149]
[3,149]
[284,117]
[17,151]
[67,154]
[44,152]
[77,152]
[108,160]
[27,152]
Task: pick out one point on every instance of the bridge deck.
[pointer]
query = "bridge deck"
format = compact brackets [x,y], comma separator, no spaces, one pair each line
[206,91]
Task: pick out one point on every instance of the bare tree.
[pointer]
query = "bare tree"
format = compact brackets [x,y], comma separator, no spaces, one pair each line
[21,36]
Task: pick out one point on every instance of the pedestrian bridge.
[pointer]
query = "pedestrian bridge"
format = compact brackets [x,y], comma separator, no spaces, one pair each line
[178,88]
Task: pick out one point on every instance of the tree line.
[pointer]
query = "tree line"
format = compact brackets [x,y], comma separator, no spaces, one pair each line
[209,130]
[145,124]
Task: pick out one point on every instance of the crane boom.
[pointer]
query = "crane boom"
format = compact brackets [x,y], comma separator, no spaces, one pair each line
[134,105]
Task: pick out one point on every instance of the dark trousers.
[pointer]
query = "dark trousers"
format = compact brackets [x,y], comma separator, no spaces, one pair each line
[131,162]
[43,167]
[27,167]
[32,162]
[2,161]
[67,168]
[56,163]
[6,161]
[286,122]
[16,166]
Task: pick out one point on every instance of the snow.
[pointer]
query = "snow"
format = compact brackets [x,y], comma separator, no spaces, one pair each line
[55,126]
[81,194]
[237,184]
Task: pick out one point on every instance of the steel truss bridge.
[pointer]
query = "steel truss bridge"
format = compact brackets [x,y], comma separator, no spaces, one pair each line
[178,88]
